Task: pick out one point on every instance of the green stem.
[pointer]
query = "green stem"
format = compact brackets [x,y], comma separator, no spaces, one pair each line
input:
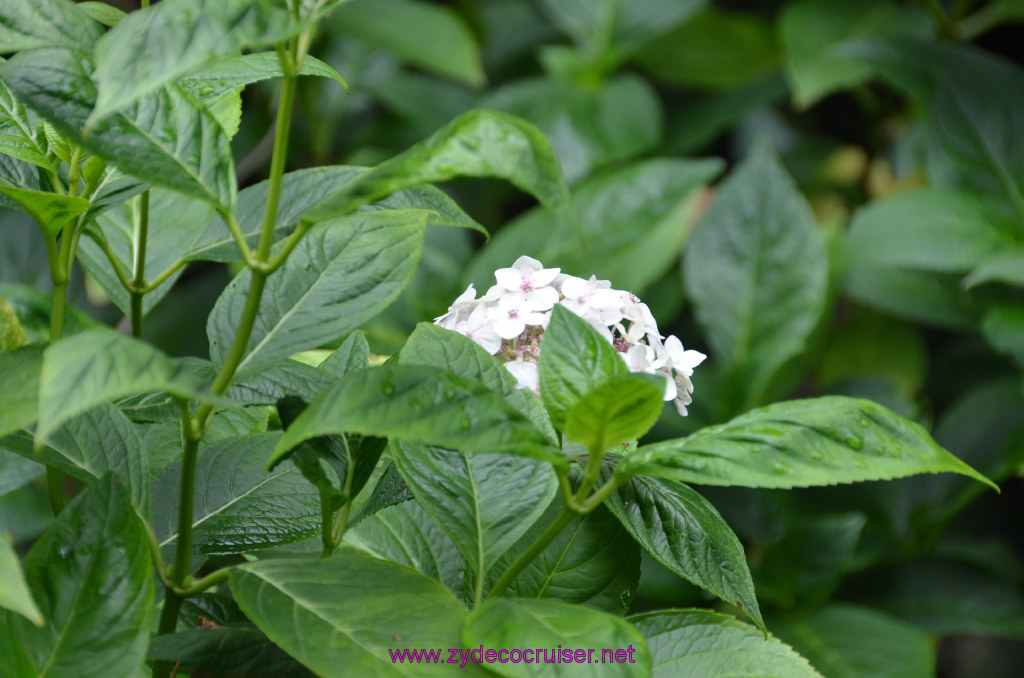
[326,524]
[524,559]
[981,22]
[104,246]
[350,472]
[55,488]
[286,249]
[934,7]
[162,278]
[601,494]
[589,477]
[183,548]
[193,427]
[74,172]
[240,241]
[168,624]
[279,157]
[139,264]
[212,579]
[567,495]
[58,255]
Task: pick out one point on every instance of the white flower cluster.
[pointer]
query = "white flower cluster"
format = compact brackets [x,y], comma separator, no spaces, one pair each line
[509,321]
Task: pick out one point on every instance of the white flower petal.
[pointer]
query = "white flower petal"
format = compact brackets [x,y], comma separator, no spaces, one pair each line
[542,299]
[544,277]
[525,373]
[573,287]
[509,328]
[509,278]
[525,263]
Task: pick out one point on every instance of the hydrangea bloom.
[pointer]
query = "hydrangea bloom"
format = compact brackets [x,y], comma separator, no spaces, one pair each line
[509,320]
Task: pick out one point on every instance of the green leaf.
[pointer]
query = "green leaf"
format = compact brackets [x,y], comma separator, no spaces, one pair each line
[341,615]
[619,410]
[167,138]
[872,344]
[715,49]
[91,445]
[17,471]
[1007,267]
[757,272]
[390,490]
[450,351]
[708,115]
[419,404]
[14,593]
[405,534]
[592,562]
[702,644]
[45,23]
[98,366]
[24,514]
[341,273]
[11,333]
[153,46]
[280,379]
[20,397]
[238,507]
[353,355]
[919,296]
[973,141]
[526,623]
[352,458]
[32,306]
[590,126]
[113,188]
[217,79]
[20,136]
[108,15]
[304,188]
[806,564]
[946,598]
[642,212]
[480,143]
[682,530]
[485,502]
[800,443]
[574,361]
[881,647]
[926,229]
[50,210]
[600,25]
[816,39]
[175,222]
[91,576]
[404,26]
[241,652]
[1003,328]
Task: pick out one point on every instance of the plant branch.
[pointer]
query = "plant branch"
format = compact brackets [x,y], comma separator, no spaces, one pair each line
[275,261]
[946,27]
[601,494]
[162,278]
[240,241]
[194,426]
[350,471]
[191,434]
[524,559]
[137,291]
[212,579]
[326,523]
[119,271]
